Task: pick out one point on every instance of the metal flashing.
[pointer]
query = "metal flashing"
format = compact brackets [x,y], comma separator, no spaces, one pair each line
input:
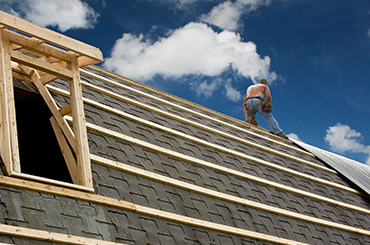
[358,173]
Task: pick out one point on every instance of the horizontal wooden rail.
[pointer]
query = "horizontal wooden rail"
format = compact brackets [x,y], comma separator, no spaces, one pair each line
[50,236]
[41,65]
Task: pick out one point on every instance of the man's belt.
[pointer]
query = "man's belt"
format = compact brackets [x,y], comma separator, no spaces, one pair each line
[257,97]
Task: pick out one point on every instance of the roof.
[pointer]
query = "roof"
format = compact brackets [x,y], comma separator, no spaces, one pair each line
[168,171]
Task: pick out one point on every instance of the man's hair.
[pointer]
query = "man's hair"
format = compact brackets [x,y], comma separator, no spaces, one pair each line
[263,81]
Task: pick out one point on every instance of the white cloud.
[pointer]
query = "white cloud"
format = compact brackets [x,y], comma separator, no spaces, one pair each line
[294,136]
[342,138]
[66,14]
[232,93]
[206,88]
[194,49]
[227,14]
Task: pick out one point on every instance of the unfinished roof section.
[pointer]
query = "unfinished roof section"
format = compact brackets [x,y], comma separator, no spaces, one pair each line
[356,172]
[38,56]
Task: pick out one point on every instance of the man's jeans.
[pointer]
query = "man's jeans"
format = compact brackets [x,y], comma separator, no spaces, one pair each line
[254,106]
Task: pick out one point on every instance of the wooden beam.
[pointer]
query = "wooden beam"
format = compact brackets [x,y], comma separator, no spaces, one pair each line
[65,110]
[50,36]
[37,46]
[67,152]
[48,236]
[51,182]
[41,65]
[48,78]
[5,147]
[9,137]
[79,125]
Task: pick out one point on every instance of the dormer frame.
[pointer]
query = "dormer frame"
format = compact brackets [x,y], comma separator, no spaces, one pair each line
[34,53]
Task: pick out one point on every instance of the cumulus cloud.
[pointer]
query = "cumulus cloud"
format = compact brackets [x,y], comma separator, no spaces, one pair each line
[206,88]
[65,15]
[342,138]
[232,93]
[227,14]
[294,136]
[194,49]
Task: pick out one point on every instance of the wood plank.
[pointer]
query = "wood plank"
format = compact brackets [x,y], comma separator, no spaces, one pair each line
[65,110]
[79,126]
[48,236]
[67,152]
[51,182]
[41,65]
[50,36]
[5,146]
[37,46]
[48,78]
[8,112]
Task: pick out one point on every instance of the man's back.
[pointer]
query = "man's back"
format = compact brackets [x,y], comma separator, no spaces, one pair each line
[258,90]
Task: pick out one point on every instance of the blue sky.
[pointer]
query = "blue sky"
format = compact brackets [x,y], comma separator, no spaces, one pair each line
[314,53]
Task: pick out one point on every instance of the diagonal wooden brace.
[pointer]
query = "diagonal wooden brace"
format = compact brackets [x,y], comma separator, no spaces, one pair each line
[51,104]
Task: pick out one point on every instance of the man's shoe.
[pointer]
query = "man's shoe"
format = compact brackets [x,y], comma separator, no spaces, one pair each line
[282,135]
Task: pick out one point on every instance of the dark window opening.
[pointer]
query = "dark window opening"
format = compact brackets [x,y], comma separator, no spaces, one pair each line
[39,151]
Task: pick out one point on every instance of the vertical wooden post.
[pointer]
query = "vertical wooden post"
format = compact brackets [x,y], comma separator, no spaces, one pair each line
[9,138]
[79,125]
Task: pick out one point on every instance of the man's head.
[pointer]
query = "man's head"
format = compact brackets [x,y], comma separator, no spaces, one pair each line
[263,81]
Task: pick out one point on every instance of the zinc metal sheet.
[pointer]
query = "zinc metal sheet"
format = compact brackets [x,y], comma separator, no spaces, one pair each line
[358,173]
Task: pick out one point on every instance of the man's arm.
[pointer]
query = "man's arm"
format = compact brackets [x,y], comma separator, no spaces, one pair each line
[268,94]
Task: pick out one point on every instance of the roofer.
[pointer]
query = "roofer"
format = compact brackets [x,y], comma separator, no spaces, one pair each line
[252,105]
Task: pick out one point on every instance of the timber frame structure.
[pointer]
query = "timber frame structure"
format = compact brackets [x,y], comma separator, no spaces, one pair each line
[39,55]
